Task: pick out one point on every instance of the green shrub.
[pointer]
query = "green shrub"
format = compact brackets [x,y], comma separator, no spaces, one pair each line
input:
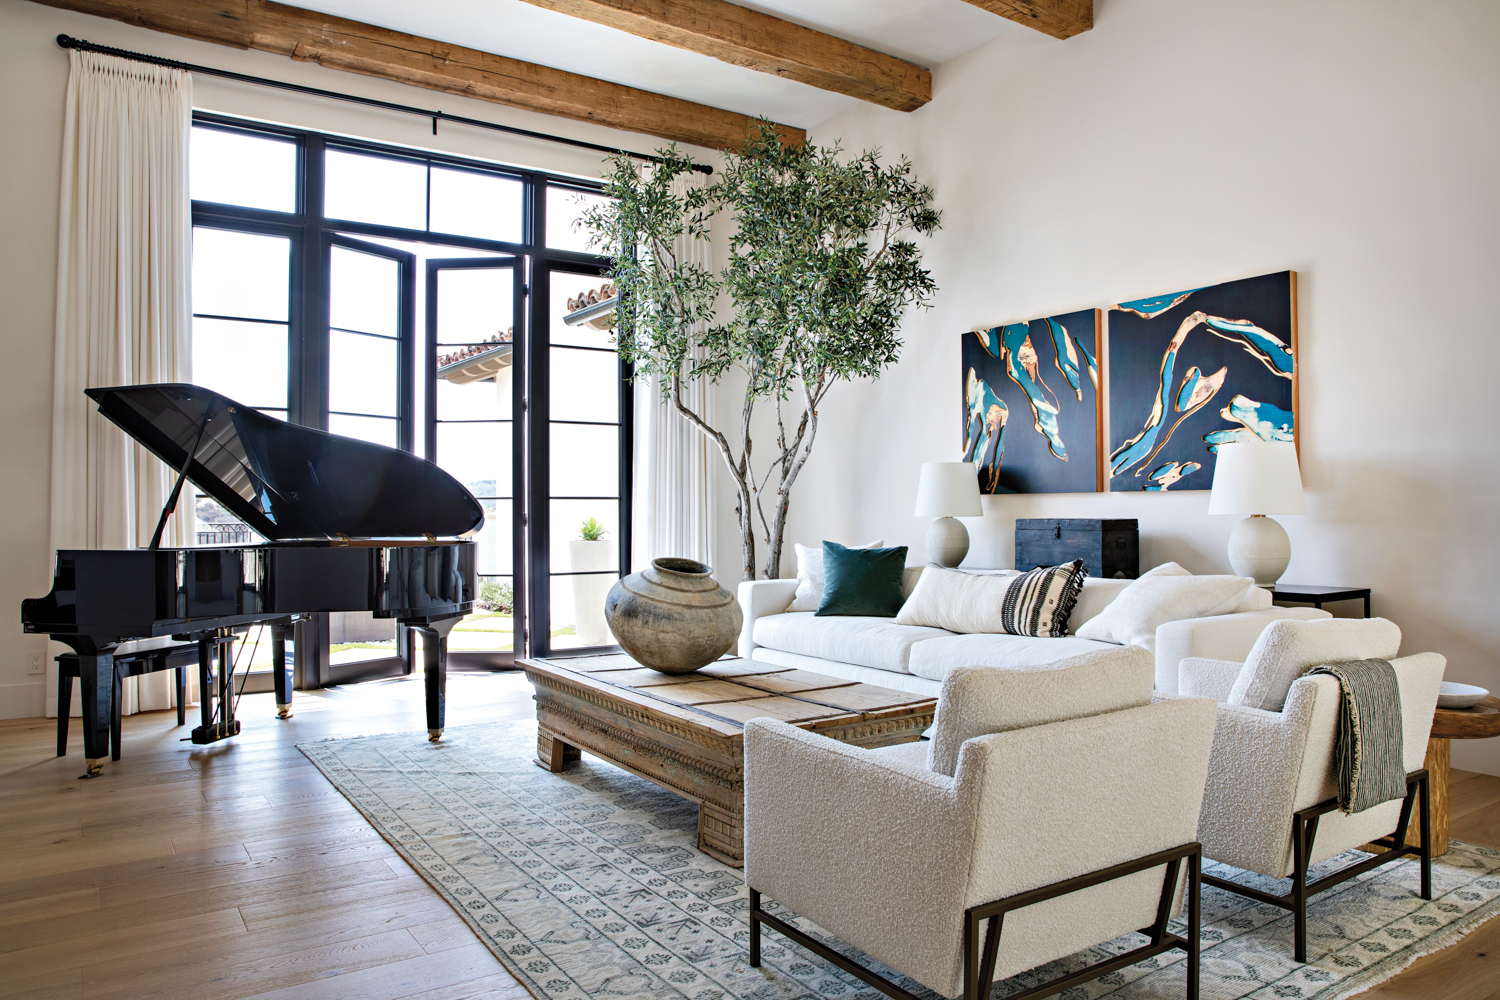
[495,595]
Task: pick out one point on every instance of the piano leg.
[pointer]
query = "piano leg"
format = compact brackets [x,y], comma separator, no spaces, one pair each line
[64,707]
[281,673]
[205,688]
[435,671]
[96,683]
[116,714]
[181,673]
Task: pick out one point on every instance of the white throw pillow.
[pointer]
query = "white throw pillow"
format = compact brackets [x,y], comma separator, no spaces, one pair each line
[1098,592]
[977,701]
[1158,597]
[810,575]
[1287,648]
[1036,603]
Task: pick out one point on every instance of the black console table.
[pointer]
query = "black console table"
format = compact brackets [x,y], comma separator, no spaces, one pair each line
[1298,593]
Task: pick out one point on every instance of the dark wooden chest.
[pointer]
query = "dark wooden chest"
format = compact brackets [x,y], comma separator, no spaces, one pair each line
[1108,548]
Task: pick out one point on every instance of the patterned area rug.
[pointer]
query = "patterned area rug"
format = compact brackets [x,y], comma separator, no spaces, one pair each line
[587,884]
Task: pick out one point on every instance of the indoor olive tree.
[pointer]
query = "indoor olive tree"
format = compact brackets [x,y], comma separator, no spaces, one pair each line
[818,274]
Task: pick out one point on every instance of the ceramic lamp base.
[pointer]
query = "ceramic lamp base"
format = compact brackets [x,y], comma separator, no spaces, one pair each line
[1259,548]
[947,542]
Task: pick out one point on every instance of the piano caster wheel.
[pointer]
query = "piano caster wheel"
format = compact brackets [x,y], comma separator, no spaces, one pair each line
[434,735]
[283,711]
[94,769]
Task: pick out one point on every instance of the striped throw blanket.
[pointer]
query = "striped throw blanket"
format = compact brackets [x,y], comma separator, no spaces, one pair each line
[1370,751]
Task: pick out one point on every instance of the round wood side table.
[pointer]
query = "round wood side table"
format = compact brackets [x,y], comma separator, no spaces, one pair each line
[1448,724]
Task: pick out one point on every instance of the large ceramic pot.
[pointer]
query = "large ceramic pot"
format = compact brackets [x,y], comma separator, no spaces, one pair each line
[673,617]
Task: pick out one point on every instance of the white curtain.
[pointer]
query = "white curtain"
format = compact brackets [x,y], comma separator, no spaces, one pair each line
[674,462]
[124,317]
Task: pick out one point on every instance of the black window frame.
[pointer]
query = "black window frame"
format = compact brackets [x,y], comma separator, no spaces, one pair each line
[311,234]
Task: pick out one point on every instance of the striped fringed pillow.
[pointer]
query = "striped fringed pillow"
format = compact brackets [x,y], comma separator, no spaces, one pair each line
[1039,602]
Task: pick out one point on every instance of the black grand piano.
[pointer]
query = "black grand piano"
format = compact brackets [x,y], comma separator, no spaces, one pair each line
[352,526]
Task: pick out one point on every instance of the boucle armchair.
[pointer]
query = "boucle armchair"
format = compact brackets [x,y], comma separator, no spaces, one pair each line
[1271,804]
[985,853]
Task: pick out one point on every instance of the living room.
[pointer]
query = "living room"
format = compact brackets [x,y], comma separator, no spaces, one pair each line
[1169,146]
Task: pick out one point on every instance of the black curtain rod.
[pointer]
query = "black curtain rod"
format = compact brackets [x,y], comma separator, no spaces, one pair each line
[69,42]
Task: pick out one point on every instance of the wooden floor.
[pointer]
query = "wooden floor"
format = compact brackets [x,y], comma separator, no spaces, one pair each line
[233,871]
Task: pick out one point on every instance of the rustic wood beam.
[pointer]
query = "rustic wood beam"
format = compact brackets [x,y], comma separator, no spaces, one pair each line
[355,47]
[744,37]
[1058,18]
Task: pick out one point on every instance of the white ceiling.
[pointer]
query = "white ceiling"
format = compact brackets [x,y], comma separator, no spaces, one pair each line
[927,32]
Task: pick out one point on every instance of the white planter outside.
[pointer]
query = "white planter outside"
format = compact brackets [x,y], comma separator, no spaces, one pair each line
[589,592]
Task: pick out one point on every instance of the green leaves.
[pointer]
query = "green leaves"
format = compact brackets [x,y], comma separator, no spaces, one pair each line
[817,270]
[641,230]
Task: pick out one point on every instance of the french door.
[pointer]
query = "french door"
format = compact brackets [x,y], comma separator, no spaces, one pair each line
[475,420]
[578,512]
[364,391]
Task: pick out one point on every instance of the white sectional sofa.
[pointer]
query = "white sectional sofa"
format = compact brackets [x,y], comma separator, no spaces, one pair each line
[916,659]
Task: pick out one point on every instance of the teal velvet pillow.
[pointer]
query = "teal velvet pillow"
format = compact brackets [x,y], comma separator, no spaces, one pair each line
[862,581]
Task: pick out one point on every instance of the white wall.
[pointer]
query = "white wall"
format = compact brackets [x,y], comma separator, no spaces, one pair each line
[1186,142]
[33,82]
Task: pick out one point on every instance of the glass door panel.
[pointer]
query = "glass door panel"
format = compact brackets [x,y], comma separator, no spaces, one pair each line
[585,508]
[473,312]
[241,345]
[370,319]
[369,350]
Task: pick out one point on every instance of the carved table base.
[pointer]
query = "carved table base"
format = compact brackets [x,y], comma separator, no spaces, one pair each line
[686,732]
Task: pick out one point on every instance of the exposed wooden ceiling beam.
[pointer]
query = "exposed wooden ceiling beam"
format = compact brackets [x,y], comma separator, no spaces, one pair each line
[744,37]
[1058,18]
[356,47]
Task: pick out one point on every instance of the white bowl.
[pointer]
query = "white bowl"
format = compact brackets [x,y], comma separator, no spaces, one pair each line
[1452,695]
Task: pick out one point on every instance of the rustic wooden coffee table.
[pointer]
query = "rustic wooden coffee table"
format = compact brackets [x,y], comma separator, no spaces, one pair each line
[685,732]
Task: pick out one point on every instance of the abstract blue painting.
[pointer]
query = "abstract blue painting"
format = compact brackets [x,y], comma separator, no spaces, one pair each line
[1196,369]
[1031,405]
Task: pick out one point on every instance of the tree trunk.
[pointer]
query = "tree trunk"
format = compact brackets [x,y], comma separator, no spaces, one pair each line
[738,470]
[791,465]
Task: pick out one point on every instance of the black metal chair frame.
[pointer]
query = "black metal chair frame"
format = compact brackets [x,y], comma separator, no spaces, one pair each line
[1305,829]
[979,960]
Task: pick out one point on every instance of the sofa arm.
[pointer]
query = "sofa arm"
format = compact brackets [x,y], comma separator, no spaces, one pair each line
[759,598]
[1218,637]
[1201,677]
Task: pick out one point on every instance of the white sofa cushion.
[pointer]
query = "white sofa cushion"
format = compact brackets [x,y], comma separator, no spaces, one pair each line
[870,642]
[1287,649]
[933,658]
[848,671]
[810,575]
[977,702]
[1162,596]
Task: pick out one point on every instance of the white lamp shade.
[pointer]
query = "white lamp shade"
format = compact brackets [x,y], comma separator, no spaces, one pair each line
[948,489]
[1257,477]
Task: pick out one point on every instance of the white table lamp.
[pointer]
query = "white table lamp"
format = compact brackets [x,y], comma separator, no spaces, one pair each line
[946,491]
[1258,478]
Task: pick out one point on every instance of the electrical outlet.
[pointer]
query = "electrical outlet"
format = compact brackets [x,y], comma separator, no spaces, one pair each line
[34,664]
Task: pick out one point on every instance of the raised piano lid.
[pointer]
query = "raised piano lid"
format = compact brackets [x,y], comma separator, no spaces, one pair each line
[291,482]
